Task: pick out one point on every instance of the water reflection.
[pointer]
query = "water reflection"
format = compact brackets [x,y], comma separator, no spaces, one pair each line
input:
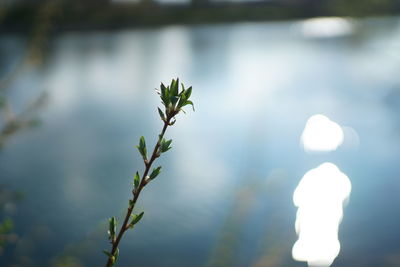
[319,197]
[255,84]
[321,134]
[326,27]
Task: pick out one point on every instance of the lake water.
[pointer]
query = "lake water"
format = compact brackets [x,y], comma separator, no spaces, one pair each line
[225,196]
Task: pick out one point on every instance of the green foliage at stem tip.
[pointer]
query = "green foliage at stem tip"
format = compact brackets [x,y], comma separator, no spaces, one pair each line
[174,99]
[155,172]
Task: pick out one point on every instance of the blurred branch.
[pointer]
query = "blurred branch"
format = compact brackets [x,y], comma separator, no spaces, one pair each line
[36,44]
[14,123]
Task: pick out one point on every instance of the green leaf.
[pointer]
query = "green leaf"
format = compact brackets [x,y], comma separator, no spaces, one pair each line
[116,254]
[174,87]
[182,101]
[183,89]
[174,99]
[161,114]
[155,172]
[165,145]
[174,96]
[164,94]
[142,148]
[188,102]
[163,89]
[188,92]
[136,180]
[136,218]
[112,227]
[142,142]
[107,253]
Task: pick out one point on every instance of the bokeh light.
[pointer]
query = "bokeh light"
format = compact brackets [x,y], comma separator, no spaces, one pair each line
[321,134]
[319,197]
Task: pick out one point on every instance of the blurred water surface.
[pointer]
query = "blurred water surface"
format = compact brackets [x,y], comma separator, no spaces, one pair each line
[225,194]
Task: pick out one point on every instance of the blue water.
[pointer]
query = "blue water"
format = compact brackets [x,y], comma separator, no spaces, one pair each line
[224,197]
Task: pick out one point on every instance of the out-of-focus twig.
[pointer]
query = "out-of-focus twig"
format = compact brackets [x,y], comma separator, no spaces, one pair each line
[14,123]
[33,55]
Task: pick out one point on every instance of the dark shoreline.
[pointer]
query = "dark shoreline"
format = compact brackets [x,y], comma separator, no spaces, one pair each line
[150,15]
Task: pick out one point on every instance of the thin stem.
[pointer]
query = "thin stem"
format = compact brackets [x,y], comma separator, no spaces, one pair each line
[136,192]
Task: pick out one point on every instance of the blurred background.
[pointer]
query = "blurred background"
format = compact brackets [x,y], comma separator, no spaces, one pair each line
[77,83]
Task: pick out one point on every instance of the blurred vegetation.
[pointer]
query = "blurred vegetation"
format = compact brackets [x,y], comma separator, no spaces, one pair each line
[13,121]
[19,15]
[274,240]
[8,200]
[11,124]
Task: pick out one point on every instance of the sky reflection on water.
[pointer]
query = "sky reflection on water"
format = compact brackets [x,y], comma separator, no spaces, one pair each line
[254,87]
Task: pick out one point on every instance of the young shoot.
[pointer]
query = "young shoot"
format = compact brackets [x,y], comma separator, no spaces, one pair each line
[173,98]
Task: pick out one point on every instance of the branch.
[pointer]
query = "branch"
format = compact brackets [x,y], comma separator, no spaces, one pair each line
[173,101]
